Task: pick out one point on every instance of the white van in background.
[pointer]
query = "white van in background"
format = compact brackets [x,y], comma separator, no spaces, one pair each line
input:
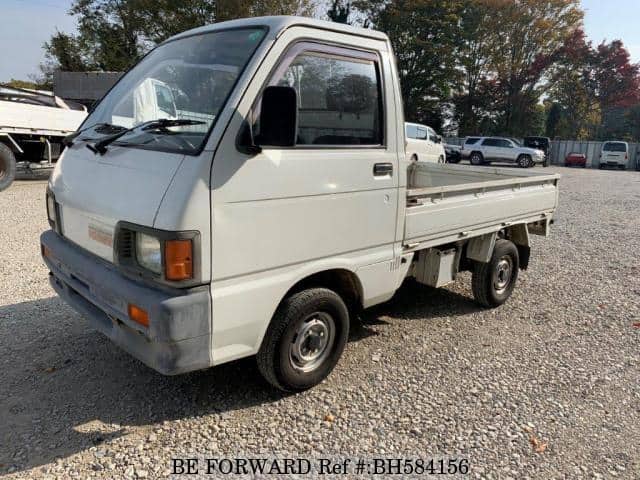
[423,144]
[614,154]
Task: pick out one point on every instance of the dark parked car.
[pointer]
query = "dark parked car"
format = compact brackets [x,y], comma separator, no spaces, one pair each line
[575,159]
[453,153]
[539,143]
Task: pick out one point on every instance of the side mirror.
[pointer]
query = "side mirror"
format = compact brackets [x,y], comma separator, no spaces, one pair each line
[278,117]
[438,139]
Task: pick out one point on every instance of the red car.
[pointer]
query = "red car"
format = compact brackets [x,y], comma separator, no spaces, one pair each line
[575,159]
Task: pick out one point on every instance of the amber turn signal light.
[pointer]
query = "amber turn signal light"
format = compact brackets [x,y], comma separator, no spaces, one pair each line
[138,315]
[178,259]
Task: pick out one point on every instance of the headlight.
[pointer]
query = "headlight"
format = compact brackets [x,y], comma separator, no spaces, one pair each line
[161,256]
[51,208]
[52,212]
[148,252]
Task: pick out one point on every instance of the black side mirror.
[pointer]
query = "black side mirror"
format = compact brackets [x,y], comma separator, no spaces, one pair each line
[278,117]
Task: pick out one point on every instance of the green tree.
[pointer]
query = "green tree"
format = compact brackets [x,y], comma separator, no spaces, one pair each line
[475,50]
[424,34]
[339,11]
[596,90]
[114,34]
[532,34]
[23,84]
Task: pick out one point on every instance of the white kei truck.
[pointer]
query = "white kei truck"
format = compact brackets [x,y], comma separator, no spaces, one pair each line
[33,125]
[270,202]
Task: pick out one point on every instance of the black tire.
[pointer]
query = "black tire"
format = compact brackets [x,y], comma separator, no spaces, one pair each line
[524,161]
[476,158]
[414,158]
[276,359]
[442,159]
[7,167]
[489,288]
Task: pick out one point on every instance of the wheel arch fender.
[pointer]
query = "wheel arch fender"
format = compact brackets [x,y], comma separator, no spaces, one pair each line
[343,281]
[239,326]
[519,235]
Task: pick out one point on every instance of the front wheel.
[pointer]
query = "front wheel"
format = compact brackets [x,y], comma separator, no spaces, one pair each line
[7,167]
[493,282]
[476,159]
[305,339]
[524,161]
[441,159]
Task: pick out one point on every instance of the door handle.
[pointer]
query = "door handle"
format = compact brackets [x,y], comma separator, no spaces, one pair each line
[382,169]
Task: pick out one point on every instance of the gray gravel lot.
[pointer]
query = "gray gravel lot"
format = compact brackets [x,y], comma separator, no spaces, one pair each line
[557,368]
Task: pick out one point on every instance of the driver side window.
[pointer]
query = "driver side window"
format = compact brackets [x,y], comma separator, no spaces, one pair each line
[339,97]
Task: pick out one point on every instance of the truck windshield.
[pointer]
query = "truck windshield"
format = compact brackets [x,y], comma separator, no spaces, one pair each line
[185,79]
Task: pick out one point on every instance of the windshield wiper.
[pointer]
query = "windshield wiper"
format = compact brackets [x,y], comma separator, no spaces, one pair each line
[100,128]
[160,124]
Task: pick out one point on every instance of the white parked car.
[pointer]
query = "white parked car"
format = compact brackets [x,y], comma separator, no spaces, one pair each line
[483,150]
[423,144]
[614,154]
[263,227]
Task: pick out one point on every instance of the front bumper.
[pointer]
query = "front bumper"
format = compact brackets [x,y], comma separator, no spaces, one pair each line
[178,338]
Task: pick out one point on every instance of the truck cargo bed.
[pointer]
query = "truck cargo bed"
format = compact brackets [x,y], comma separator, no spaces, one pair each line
[446,203]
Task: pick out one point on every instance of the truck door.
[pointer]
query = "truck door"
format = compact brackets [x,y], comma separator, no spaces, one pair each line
[335,193]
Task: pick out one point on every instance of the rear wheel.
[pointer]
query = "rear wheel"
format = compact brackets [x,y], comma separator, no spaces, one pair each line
[476,158]
[7,167]
[441,159]
[305,339]
[493,282]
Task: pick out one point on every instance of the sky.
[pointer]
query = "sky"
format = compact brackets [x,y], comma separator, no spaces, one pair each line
[27,24]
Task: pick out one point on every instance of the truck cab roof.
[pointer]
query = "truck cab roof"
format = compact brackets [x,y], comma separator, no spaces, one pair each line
[278,24]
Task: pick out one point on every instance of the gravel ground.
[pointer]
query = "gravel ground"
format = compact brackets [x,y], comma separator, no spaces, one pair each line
[556,369]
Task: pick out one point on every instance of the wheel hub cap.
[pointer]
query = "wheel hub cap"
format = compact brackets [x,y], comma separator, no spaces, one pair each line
[311,344]
[502,275]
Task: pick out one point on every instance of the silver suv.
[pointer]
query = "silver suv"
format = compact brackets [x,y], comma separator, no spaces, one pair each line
[484,150]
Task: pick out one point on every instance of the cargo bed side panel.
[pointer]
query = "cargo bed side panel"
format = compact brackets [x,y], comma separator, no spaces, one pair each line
[461,212]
